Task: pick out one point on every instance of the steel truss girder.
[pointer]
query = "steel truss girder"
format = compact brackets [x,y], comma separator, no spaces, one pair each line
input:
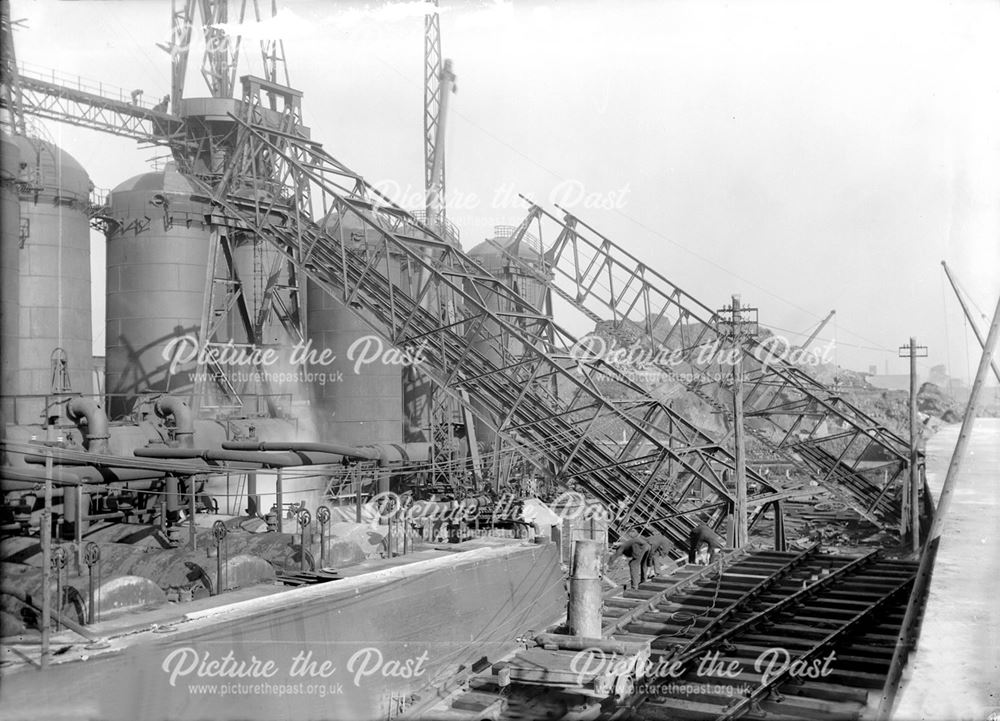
[77,107]
[253,304]
[477,344]
[604,280]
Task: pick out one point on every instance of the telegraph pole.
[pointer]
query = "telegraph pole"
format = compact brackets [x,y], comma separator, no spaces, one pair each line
[742,322]
[914,351]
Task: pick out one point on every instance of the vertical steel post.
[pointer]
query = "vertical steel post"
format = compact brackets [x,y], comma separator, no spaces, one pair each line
[278,500]
[357,494]
[914,458]
[219,530]
[304,518]
[91,557]
[58,563]
[323,516]
[46,543]
[193,536]
[81,512]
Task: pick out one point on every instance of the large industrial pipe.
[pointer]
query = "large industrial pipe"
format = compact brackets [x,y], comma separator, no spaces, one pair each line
[390,453]
[585,590]
[173,497]
[71,457]
[342,449]
[166,406]
[96,434]
[266,459]
[89,474]
[27,479]
[76,510]
[384,453]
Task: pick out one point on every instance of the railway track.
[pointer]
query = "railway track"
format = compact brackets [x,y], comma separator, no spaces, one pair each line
[775,635]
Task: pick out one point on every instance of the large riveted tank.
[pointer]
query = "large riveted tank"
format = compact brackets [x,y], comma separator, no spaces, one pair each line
[54,277]
[264,274]
[157,252]
[356,404]
[494,261]
[487,255]
[10,220]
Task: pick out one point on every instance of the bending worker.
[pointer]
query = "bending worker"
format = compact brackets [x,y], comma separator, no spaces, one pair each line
[703,539]
[635,550]
[659,547]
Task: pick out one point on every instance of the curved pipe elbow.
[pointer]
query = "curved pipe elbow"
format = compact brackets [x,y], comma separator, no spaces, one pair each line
[167,406]
[96,434]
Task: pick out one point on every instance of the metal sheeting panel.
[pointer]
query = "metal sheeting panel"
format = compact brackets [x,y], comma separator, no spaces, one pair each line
[54,275]
[357,403]
[155,285]
[10,221]
[448,611]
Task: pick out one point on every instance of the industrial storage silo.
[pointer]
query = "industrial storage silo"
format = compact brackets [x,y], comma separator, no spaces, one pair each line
[54,277]
[493,259]
[264,276]
[10,215]
[358,406]
[157,251]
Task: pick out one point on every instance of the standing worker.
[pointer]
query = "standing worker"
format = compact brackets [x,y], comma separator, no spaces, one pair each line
[635,549]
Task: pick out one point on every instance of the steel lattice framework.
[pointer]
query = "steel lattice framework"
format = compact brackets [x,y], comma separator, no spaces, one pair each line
[56,101]
[596,428]
[848,452]
[509,363]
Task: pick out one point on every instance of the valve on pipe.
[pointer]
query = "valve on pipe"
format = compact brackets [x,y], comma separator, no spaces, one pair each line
[323,516]
[92,558]
[304,518]
[219,532]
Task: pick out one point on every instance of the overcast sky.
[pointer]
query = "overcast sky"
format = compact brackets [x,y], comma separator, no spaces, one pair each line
[807,155]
